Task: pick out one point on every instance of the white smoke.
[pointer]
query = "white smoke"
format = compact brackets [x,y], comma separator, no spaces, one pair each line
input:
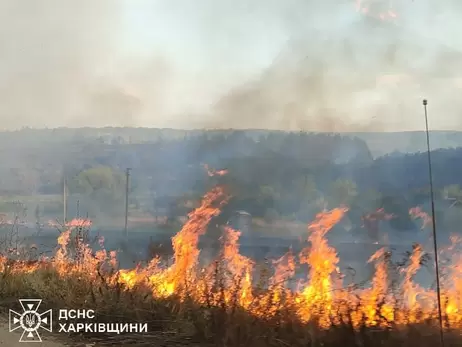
[158,63]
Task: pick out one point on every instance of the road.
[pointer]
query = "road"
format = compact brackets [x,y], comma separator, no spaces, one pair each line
[12,339]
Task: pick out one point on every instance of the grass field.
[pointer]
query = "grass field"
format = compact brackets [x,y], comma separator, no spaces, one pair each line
[218,317]
[235,300]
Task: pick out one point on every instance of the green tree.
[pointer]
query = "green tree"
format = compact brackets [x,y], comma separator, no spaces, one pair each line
[342,192]
[306,190]
[267,193]
[99,182]
[398,206]
[368,200]
[305,187]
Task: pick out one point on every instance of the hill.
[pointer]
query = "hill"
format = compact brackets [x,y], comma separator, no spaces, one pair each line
[379,143]
[272,174]
[382,143]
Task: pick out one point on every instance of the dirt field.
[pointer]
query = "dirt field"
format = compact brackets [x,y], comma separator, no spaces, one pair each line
[12,339]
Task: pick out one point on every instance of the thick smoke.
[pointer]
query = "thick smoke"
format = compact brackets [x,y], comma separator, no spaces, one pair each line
[355,74]
[64,63]
[295,64]
[50,54]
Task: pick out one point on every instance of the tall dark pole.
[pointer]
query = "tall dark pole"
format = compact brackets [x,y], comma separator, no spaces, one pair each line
[127,181]
[64,199]
[435,242]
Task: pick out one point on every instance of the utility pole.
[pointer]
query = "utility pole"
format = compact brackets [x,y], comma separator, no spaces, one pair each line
[64,200]
[435,242]
[127,181]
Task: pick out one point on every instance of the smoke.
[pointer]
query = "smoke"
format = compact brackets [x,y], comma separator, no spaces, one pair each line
[351,74]
[64,63]
[49,55]
[295,64]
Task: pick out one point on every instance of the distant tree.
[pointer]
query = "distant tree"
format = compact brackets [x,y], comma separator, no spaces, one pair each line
[453,194]
[342,192]
[398,206]
[267,195]
[99,182]
[305,187]
[365,202]
[271,215]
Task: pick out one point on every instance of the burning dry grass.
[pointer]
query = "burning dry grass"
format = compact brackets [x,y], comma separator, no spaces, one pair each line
[224,304]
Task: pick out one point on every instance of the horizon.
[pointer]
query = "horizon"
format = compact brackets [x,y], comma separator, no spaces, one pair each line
[223,129]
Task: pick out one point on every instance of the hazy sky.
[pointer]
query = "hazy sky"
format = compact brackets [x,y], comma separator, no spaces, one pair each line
[168,64]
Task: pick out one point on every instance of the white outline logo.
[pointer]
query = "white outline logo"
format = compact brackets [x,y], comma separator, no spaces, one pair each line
[30,320]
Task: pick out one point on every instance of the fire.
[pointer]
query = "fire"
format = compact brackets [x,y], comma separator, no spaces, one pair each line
[213,172]
[185,243]
[453,282]
[284,269]
[379,292]
[182,273]
[411,290]
[230,281]
[78,223]
[380,9]
[239,267]
[317,297]
[417,213]
[372,220]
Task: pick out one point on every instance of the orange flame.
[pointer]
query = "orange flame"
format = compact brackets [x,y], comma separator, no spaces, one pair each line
[322,299]
[79,222]
[213,172]
[418,213]
[387,13]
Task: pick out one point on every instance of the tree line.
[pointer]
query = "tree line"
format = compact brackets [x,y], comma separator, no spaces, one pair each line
[272,175]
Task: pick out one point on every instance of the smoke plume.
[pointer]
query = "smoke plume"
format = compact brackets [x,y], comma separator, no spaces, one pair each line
[295,64]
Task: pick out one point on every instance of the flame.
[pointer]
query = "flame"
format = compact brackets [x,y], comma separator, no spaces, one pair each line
[230,279]
[317,296]
[372,220]
[238,266]
[382,10]
[378,293]
[284,269]
[79,223]
[213,172]
[417,213]
[453,282]
[411,290]
[181,273]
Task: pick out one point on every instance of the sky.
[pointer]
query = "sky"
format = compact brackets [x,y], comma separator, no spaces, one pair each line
[178,64]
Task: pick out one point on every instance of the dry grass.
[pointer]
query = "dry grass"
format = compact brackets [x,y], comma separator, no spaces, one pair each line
[217,322]
[225,324]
